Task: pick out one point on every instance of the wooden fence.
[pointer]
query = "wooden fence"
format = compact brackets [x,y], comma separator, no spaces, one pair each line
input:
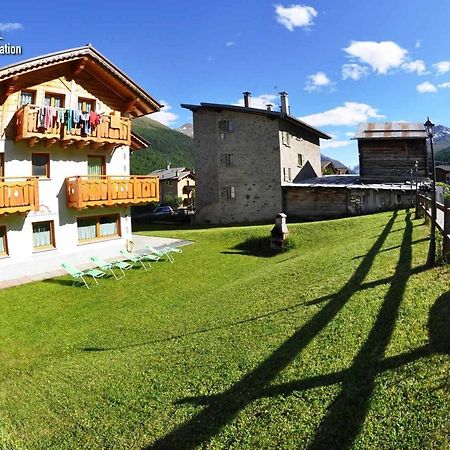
[442,220]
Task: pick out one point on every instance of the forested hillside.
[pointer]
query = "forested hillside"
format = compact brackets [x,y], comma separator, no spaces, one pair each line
[166,146]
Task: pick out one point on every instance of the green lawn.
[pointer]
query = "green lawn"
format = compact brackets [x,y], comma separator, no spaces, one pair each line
[342,342]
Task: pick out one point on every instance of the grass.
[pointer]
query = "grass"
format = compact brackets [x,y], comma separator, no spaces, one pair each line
[341,342]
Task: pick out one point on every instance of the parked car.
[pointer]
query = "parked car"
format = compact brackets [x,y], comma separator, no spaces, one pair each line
[163,212]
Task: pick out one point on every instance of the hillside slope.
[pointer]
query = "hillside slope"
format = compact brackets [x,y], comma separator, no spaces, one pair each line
[167,146]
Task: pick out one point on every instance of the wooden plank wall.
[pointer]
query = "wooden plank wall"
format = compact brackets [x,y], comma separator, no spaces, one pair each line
[392,159]
[315,202]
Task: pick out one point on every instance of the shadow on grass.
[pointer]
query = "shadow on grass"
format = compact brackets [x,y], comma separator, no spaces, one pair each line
[223,408]
[254,246]
[61,282]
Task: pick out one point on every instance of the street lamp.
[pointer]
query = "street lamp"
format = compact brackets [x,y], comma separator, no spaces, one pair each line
[432,250]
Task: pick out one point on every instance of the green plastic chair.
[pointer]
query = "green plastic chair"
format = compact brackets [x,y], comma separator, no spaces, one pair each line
[105,266]
[78,275]
[160,253]
[136,258]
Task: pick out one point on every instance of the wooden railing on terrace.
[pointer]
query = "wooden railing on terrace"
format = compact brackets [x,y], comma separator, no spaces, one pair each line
[113,130]
[19,195]
[442,219]
[89,191]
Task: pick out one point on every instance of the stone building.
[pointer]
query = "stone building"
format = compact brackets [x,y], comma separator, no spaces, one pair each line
[243,155]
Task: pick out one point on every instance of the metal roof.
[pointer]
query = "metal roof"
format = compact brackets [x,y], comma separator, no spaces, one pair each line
[173,173]
[346,182]
[391,130]
[264,112]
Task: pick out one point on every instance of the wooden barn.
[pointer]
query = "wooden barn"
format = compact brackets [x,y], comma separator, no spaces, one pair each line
[388,151]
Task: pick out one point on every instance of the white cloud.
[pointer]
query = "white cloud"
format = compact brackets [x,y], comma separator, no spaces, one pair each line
[317,81]
[381,56]
[260,102]
[164,116]
[351,113]
[418,44]
[295,16]
[442,67]
[350,134]
[444,85]
[354,71]
[426,87]
[10,26]
[230,43]
[417,66]
[335,144]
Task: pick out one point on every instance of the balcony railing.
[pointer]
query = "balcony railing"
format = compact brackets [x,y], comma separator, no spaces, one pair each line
[91,191]
[19,195]
[113,130]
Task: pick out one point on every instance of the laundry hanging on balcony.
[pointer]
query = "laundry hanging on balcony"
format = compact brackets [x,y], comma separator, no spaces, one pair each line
[51,117]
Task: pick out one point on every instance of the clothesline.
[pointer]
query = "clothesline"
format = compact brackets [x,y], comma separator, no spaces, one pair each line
[51,116]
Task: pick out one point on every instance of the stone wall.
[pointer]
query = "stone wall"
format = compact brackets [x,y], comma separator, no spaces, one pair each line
[237,171]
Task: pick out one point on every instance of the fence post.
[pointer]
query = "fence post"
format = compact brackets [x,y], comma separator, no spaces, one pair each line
[446,239]
[418,206]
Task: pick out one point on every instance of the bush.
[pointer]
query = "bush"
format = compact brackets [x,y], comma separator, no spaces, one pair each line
[172,200]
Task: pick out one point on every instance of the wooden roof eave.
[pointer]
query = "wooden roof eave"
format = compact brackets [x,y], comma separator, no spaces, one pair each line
[74,64]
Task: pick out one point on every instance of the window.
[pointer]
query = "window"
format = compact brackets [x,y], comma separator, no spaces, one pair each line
[86,104]
[3,241]
[229,160]
[169,182]
[96,165]
[27,97]
[2,165]
[289,174]
[285,138]
[43,235]
[299,160]
[100,227]
[56,100]
[230,192]
[40,165]
[225,126]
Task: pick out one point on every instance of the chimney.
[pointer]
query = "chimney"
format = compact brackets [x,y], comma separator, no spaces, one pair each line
[269,107]
[247,96]
[168,166]
[284,103]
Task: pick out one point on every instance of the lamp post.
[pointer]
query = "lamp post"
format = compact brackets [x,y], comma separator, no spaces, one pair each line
[432,250]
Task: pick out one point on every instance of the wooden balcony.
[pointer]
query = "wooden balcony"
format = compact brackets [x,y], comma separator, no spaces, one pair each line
[18,195]
[94,191]
[112,131]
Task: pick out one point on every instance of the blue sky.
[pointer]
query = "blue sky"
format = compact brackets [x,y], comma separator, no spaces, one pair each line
[341,62]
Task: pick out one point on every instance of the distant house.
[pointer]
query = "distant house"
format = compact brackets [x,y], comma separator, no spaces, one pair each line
[176,182]
[243,155]
[332,168]
[443,174]
[388,151]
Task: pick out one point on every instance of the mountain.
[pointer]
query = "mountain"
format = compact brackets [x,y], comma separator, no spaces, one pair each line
[441,137]
[187,129]
[442,157]
[166,146]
